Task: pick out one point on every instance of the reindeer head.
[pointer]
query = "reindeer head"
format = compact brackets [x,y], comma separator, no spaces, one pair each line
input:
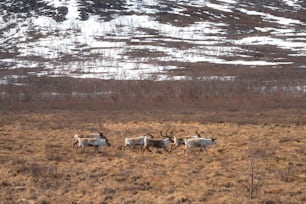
[102,135]
[75,137]
[107,142]
[200,133]
[169,134]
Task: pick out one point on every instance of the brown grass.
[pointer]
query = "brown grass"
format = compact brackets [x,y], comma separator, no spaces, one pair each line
[39,165]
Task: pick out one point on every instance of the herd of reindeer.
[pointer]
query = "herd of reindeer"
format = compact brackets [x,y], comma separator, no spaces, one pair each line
[146,141]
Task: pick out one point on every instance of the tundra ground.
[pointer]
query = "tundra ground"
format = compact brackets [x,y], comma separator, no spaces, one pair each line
[39,164]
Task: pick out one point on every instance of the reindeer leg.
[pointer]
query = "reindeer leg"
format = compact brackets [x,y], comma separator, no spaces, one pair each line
[206,150]
[82,148]
[74,144]
[144,148]
[201,149]
[149,149]
[173,147]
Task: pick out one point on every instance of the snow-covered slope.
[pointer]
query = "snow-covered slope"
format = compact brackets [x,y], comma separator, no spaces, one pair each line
[132,39]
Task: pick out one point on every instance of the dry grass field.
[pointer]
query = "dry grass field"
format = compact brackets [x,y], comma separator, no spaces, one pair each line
[39,164]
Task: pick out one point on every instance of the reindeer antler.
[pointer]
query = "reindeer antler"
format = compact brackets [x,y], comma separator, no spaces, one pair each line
[149,134]
[169,132]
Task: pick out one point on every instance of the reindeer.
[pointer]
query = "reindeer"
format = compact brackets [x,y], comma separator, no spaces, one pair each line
[201,142]
[158,143]
[135,141]
[181,141]
[95,142]
[94,135]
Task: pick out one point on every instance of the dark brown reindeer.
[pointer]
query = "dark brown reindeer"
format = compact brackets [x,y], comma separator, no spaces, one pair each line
[159,143]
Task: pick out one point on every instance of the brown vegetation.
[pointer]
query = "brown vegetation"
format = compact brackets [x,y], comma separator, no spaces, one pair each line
[259,156]
[272,96]
[39,165]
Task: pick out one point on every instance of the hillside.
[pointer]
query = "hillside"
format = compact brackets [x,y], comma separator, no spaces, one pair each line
[159,40]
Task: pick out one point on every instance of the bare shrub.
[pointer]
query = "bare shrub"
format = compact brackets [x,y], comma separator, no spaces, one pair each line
[252,155]
[287,174]
[247,94]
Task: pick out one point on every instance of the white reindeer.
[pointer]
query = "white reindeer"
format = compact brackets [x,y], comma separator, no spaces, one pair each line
[200,142]
[158,143]
[181,141]
[95,142]
[135,141]
[93,135]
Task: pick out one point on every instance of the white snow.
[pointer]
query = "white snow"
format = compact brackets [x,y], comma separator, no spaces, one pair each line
[229,1]
[292,3]
[98,48]
[269,17]
[222,7]
[263,40]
